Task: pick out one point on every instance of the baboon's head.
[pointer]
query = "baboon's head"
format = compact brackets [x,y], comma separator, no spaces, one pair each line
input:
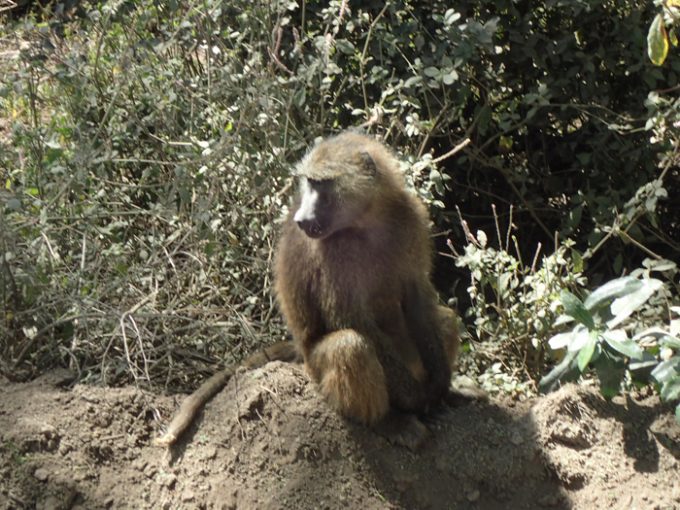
[342,179]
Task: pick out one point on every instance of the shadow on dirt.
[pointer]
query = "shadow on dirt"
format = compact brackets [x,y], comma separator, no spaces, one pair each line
[479,455]
[642,426]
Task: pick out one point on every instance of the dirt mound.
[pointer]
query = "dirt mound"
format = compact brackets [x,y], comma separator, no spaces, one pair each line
[268,441]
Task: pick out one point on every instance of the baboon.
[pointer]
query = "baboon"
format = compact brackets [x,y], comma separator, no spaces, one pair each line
[352,278]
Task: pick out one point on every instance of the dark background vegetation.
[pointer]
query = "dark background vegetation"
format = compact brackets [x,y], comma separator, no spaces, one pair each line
[146,148]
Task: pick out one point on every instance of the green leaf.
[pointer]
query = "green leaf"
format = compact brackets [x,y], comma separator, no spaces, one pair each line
[505,144]
[619,341]
[575,255]
[657,41]
[450,77]
[643,369]
[586,353]
[624,306]
[612,289]
[667,370]
[653,332]
[574,307]
[670,341]
[671,390]
[579,339]
[13,204]
[451,16]
[431,71]
[610,371]
[566,370]
[662,265]
[663,337]
[677,414]
[562,319]
[561,340]
[345,46]
[53,144]
[413,80]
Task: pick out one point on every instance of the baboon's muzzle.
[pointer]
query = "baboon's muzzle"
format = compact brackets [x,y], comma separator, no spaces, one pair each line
[310,227]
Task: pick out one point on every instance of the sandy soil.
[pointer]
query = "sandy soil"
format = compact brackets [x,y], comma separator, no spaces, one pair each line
[268,441]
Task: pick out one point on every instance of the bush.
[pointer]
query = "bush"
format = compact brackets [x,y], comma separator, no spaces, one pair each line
[609,339]
[145,172]
[513,307]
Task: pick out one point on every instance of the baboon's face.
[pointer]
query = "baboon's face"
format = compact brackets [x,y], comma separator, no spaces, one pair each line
[325,209]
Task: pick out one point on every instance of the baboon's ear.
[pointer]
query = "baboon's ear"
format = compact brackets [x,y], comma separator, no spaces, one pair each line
[367,163]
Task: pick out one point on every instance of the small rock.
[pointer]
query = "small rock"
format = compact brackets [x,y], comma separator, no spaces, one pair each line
[50,503]
[65,449]
[209,453]
[169,480]
[516,438]
[549,500]
[472,496]
[139,464]
[41,474]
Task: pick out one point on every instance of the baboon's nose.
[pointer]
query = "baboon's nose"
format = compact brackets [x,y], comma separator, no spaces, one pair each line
[310,227]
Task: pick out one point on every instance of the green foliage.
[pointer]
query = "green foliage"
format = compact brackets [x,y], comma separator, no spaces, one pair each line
[659,38]
[606,338]
[657,41]
[513,302]
[144,163]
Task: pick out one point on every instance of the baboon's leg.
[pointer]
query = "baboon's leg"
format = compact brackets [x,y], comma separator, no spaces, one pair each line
[448,332]
[350,377]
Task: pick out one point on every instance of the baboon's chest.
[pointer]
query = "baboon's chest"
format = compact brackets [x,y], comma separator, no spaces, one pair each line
[358,277]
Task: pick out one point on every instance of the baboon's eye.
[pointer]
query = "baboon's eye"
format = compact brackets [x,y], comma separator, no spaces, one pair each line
[368,163]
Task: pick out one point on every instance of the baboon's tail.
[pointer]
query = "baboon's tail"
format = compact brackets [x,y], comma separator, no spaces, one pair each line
[280,351]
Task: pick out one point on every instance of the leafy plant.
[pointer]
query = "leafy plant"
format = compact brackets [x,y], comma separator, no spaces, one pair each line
[512,302]
[604,337]
[662,31]
[667,372]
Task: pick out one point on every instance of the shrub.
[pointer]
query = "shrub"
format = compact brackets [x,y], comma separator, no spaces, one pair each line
[609,338]
[513,301]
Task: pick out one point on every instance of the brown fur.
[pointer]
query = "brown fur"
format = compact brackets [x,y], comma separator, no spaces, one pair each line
[353,282]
